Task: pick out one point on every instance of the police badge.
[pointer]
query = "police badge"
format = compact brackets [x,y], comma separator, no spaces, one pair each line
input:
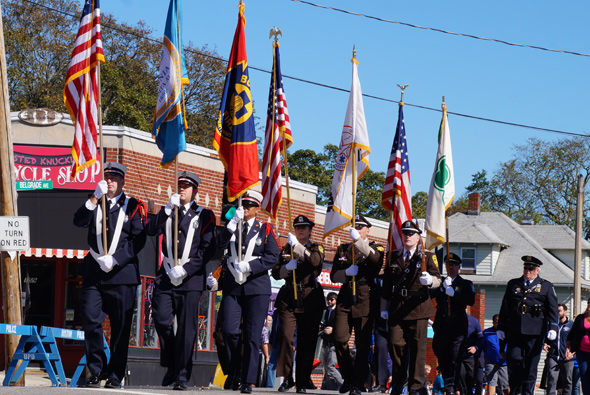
[258,242]
[126,219]
[196,224]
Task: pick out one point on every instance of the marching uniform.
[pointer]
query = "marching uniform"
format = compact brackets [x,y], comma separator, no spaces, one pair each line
[180,297]
[355,311]
[528,313]
[303,314]
[246,295]
[451,324]
[110,291]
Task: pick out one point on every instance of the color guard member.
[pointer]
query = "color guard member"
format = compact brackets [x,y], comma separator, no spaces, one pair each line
[305,313]
[246,290]
[110,277]
[355,311]
[179,286]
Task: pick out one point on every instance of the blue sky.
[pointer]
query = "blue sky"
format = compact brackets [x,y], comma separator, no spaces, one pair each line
[477,78]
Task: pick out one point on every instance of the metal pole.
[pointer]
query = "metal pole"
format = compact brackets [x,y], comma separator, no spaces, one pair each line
[578,253]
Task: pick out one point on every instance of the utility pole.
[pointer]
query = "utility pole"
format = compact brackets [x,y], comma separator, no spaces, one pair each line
[10,269]
[578,253]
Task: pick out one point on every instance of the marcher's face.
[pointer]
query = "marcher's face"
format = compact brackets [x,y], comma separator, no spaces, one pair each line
[250,211]
[115,184]
[453,269]
[303,233]
[410,240]
[187,192]
[529,272]
[363,231]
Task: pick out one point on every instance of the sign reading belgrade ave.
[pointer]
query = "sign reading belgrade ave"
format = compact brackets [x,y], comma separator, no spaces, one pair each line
[14,233]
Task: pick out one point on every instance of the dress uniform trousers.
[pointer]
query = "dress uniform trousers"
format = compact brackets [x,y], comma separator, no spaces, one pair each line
[177,348]
[523,355]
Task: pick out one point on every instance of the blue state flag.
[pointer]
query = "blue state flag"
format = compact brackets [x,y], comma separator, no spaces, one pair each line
[169,123]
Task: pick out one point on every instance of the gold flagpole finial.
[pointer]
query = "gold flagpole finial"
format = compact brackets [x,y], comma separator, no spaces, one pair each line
[444,106]
[276,32]
[403,88]
[353,51]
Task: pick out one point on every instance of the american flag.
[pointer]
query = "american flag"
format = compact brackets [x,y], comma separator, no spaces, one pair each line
[397,193]
[276,124]
[81,88]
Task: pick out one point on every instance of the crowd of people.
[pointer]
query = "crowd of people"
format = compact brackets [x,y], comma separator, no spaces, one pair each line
[385,297]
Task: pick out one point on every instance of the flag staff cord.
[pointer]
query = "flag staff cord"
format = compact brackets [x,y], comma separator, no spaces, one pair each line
[354,159]
[275,32]
[444,109]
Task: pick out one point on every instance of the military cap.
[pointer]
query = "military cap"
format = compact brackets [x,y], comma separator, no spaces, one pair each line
[410,227]
[302,220]
[361,220]
[115,168]
[189,178]
[252,198]
[531,260]
[453,259]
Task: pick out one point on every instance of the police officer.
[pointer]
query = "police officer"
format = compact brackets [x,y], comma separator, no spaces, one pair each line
[451,323]
[406,305]
[111,274]
[528,314]
[354,310]
[179,285]
[305,313]
[246,289]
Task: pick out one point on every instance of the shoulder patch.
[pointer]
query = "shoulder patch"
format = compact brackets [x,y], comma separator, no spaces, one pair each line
[321,248]
[380,248]
[434,259]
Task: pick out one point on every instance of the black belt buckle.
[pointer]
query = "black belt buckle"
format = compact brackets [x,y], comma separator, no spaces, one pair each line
[404,292]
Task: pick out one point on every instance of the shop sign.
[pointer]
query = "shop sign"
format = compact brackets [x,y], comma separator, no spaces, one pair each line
[53,165]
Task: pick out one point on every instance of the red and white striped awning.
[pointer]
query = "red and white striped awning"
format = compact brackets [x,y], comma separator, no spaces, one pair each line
[54,252]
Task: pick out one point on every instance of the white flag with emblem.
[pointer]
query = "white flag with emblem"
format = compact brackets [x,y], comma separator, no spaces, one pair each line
[442,187]
[354,146]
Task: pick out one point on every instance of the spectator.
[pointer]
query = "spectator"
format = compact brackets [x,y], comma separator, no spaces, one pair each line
[556,363]
[495,360]
[332,378]
[438,387]
[471,349]
[578,345]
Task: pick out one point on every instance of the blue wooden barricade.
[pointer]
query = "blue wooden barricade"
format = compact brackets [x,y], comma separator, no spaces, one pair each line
[43,347]
[30,337]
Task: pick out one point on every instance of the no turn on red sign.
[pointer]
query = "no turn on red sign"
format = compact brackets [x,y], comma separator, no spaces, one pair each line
[14,233]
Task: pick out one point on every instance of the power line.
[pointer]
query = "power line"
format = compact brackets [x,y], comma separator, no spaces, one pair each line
[442,31]
[561,132]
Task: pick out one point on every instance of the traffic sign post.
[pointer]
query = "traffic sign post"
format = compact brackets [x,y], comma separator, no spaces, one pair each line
[14,233]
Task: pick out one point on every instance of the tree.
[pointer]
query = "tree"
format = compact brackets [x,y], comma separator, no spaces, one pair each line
[419,202]
[39,43]
[540,182]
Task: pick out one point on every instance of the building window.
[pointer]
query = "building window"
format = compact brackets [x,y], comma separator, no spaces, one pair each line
[468,258]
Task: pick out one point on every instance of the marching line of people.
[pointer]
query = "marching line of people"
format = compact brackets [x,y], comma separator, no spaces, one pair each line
[384,297]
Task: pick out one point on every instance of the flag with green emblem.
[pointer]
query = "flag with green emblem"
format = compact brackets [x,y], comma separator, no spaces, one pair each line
[442,187]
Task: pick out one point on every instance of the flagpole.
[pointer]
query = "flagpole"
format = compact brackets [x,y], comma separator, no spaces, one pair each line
[354,296]
[275,44]
[444,108]
[99,105]
[175,240]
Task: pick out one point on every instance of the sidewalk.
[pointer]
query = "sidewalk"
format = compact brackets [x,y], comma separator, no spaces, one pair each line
[33,378]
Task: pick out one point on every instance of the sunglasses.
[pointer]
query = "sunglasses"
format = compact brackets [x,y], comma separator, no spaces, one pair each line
[359,226]
[529,268]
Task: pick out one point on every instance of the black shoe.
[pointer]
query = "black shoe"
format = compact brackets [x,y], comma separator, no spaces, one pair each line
[168,378]
[235,384]
[112,383]
[180,385]
[379,388]
[93,381]
[246,389]
[286,385]
[355,391]
[310,385]
[345,387]
[301,390]
[413,393]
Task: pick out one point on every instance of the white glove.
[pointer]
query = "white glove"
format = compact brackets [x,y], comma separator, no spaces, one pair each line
[450,291]
[292,265]
[551,335]
[448,282]
[177,273]
[233,223]
[501,335]
[243,267]
[426,279]
[106,262]
[101,189]
[354,234]
[352,270]
[211,281]
[385,315]
[292,240]
[174,201]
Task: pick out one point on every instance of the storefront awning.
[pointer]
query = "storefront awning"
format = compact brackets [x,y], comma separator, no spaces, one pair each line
[54,252]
